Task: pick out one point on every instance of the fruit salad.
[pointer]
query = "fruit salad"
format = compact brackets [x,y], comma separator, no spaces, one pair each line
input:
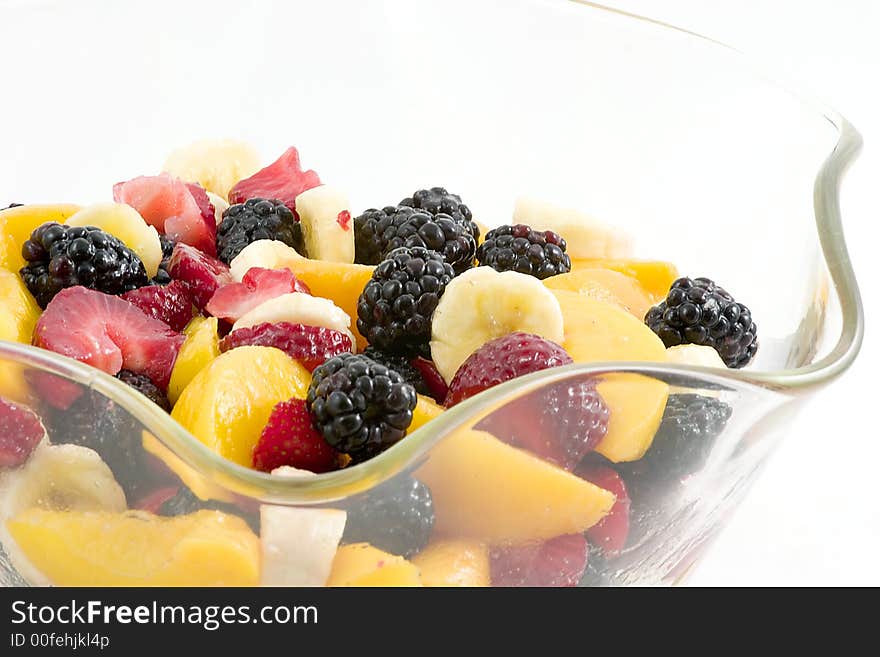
[295,335]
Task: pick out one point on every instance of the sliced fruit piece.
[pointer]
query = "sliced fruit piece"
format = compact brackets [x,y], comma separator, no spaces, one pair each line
[220,206]
[290,439]
[605,285]
[692,354]
[108,333]
[360,564]
[201,347]
[203,274]
[325,217]
[233,300]
[17,321]
[297,308]
[655,276]
[436,386]
[167,203]
[482,304]
[610,533]
[194,480]
[426,410]
[170,303]
[489,491]
[135,548]
[338,282]
[310,345]
[561,561]
[215,164]
[597,331]
[124,222]
[284,180]
[298,544]
[17,224]
[206,207]
[21,430]
[454,563]
[586,237]
[228,403]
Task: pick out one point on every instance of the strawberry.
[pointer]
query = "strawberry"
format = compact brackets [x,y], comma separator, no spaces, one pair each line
[109,333]
[283,180]
[172,207]
[203,274]
[200,196]
[258,285]
[170,303]
[310,345]
[20,432]
[290,438]
[610,533]
[432,378]
[55,390]
[560,561]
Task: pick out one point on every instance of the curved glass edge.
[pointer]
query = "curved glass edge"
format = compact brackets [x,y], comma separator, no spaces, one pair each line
[406,454]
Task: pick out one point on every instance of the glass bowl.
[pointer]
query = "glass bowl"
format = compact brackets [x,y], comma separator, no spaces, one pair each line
[679,140]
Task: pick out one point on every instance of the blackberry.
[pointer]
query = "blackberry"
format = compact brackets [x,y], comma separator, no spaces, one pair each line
[162,276]
[378,232]
[690,425]
[256,219]
[437,200]
[61,256]
[519,248]
[697,311]
[403,366]
[395,308]
[147,388]
[359,406]
[396,516]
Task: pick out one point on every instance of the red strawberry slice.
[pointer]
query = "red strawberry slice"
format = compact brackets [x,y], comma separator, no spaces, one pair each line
[203,274]
[610,533]
[55,390]
[205,206]
[310,345]
[109,333]
[20,432]
[561,561]
[436,385]
[284,180]
[170,303]
[168,204]
[258,285]
[290,438]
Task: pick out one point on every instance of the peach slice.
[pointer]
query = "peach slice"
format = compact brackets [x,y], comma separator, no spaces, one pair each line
[361,564]
[17,224]
[454,563]
[655,276]
[605,285]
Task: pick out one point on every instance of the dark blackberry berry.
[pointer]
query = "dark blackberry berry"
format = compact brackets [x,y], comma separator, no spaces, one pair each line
[162,276]
[697,311]
[395,308]
[396,516]
[147,388]
[359,406]
[61,256]
[378,232]
[401,365]
[437,200]
[256,219]
[519,248]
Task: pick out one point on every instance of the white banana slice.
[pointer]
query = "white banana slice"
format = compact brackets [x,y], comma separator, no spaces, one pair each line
[585,236]
[298,544]
[220,206]
[699,355]
[298,308]
[327,227]
[481,305]
[56,477]
[124,222]
[268,254]
[216,164]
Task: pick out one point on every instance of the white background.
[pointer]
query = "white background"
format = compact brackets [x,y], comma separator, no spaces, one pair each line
[813,518]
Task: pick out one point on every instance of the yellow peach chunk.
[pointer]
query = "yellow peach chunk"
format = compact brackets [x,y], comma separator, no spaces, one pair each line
[454,563]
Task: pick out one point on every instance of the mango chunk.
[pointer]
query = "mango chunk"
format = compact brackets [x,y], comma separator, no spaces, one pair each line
[454,563]
[361,564]
[655,276]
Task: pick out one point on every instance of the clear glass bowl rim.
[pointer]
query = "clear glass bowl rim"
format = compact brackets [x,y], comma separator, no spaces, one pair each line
[327,487]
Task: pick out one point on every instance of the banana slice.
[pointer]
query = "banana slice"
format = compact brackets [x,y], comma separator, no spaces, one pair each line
[481,305]
[56,477]
[220,206]
[268,254]
[326,224]
[216,164]
[692,354]
[124,222]
[298,308]
[298,544]
[585,236]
